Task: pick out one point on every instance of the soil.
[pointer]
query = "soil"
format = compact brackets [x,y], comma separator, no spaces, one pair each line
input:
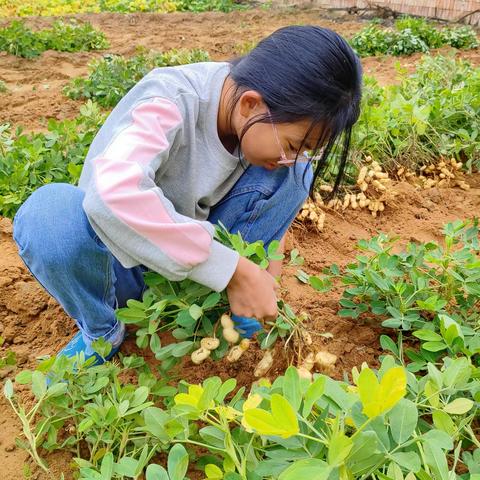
[34,325]
[34,86]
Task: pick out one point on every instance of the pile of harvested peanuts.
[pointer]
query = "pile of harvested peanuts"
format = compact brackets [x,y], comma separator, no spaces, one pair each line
[374,188]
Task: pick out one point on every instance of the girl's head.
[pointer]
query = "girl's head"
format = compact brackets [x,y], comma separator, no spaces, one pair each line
[299,89]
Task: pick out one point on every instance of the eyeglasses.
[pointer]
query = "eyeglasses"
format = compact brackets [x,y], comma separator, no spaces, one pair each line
[284,160]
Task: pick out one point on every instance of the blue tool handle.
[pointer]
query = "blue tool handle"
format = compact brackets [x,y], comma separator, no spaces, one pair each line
[246,326]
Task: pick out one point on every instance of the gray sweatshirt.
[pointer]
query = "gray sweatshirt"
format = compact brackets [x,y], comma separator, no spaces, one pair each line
[155,169]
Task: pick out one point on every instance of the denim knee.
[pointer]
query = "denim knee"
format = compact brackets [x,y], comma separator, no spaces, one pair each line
[48,224]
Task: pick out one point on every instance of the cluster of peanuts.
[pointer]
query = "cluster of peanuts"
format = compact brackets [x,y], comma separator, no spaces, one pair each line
[375,187]
[312,209]
[446,173]
[376,190]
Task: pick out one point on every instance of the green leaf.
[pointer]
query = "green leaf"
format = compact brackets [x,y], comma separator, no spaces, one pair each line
[313,393]
[457,373]
[322,285]
[403,420]
[232,476]
[155,420]
[436,460]
[195,311]
[140,395]
[291,387]
[130,315]
[56,390]
[427,335]
[8,389]
[434,346]
[439,438]
[407,460]
[443,422]
[184,319]
[213,472]
[39,385]
[281,422]
[106,469]
[102,347]
[365,453]
[213,436]
[339,446]
[311,468]
[348,313]
[450,328]
[211,387]
[155,343]
[156,472]
[388,344]
[227,387]
[211,300]
[459,406]
[181,349]
[127,467]
[24,377]
[177,462]
[85,424]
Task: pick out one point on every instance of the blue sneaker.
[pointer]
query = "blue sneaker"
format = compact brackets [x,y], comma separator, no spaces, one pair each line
[77,345]
[246,326]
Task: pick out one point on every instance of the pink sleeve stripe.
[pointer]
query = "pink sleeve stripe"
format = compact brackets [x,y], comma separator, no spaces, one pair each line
[119,173]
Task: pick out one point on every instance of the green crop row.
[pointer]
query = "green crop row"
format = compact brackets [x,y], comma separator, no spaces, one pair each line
[411,35]
[13,8]
[20,40]
[412,419]
[429,290]
[112,76]
[433,112]
[28,161]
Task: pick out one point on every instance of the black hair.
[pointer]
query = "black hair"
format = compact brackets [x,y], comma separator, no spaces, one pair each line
[305,73]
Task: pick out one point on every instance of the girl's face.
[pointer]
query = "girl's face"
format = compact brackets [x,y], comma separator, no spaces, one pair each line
[271,145]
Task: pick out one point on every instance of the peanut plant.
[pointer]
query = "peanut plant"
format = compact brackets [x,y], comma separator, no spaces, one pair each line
[191,311]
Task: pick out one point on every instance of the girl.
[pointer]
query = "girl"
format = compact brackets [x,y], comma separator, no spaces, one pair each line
[187,147]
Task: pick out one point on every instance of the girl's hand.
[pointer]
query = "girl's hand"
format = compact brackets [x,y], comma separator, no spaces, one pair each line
[251,292]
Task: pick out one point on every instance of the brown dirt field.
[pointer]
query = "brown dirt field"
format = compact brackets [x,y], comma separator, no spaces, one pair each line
[33,324]
[35,86]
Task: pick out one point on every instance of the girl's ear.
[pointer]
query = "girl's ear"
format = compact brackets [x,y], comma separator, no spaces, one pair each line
[250,103]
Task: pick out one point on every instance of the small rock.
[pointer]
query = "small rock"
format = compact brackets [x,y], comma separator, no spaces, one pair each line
[9,334]
[6,226]
[6,371]
[10,447]
[22,357]
[18,340]
[4,281]
[429,205]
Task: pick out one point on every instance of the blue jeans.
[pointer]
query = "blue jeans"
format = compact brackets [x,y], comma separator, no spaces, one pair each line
[62,251]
